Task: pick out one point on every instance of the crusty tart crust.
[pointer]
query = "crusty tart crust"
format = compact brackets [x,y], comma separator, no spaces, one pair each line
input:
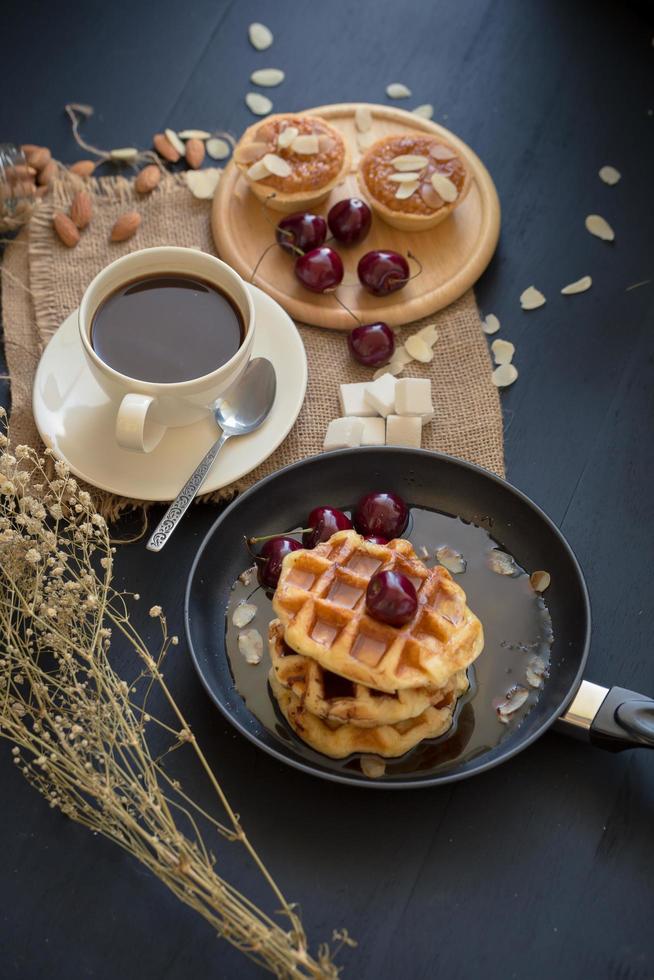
[299,200]
[407,220]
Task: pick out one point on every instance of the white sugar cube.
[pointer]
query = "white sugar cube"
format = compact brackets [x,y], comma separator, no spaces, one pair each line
[353,402]
[413,397]
[343,434]
[374,432]
[381,394]
[404,430]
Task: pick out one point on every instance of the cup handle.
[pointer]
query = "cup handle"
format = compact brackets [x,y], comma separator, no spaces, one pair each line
[134,430]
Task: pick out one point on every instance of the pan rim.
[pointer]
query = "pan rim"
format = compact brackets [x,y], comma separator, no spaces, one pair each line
[416,783]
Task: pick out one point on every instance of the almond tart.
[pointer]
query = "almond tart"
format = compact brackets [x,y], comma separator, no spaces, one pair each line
[414,181]
[292,162]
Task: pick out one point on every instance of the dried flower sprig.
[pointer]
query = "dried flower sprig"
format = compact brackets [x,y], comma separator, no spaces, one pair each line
[86,738]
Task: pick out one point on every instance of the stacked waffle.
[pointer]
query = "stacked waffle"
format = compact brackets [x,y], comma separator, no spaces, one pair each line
[346,682]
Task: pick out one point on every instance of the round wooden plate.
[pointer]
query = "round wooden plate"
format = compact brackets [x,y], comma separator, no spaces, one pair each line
[454,254]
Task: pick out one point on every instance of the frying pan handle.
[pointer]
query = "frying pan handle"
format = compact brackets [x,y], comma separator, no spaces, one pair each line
[612,719]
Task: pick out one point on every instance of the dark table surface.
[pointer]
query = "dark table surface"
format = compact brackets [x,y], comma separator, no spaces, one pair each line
[545,866]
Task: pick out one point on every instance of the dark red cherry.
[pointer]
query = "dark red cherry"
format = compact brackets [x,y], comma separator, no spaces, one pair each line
[301,231]
[270,558]
[383,272]
[323,522]
[320,270]
[381,514]
[391,598]
[349,220]
[376,539]
[371,344]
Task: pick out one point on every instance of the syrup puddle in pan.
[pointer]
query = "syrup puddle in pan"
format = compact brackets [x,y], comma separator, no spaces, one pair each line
[517,629]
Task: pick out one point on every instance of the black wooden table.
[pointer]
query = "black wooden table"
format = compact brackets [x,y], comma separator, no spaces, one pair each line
[545,866]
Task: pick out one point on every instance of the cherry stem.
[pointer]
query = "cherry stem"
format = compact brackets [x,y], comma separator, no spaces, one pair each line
[261,258]
[417,261]
[347,309]
[269,537]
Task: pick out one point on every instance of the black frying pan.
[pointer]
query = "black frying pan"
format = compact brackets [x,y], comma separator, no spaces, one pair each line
[614,719]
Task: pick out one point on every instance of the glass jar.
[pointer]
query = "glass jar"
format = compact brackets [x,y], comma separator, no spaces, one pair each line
[17,188]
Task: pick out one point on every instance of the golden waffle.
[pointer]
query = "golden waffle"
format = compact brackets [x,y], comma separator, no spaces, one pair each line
[340,740]
[320,600]
[335,698]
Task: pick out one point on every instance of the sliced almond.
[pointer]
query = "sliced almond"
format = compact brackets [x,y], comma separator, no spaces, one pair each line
[501,563]
[444,186]
[250,645]
[287,136]
[203,183]
[540,581]
[404,178]
[429,196]
[390,368]
[126,154]
[194,134]
[260,36]
[439,151]
[396,90]
[243,614]
[362,118]
[598,226]
[425,111]
[174,140]
[410,161]
[491,324]
[249,152]
[406,190]
[258,171]
[305,144]
[267,77]
[452,560]
[504,375]
[531,298]
[277,165]
[364,140]
[419,349]
[503,351]
[326,143]
[218,149]
[579,286]
[609,175]
[429,334]
[258,104]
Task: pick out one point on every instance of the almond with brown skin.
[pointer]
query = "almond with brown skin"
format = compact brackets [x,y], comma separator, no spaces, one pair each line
[147,179]
[81,209]
[165,148]
[39,157]
[195,153]
[66,230]
[27,148]
[48,172]
[83,168]
[125,226]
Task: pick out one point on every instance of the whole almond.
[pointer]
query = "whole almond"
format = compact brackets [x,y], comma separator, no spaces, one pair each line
[39,157]
[19,172]
[195,153]
[67,231]
[83,168]
[81,209]
[125,226]
[165,148]
[48,172]
[28,148]
[147,179]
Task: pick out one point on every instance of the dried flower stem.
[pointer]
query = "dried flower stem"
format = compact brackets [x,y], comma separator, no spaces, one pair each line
[85,737]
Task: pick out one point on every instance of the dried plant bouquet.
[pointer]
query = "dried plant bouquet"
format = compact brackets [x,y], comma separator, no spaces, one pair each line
[84,736]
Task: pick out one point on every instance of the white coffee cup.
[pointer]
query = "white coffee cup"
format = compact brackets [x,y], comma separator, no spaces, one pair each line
[145,409]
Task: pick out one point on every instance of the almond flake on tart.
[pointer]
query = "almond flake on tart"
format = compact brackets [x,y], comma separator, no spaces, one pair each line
[292,162]
[439,180]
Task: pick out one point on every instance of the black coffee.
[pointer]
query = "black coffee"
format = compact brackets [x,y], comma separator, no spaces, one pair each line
[167,328]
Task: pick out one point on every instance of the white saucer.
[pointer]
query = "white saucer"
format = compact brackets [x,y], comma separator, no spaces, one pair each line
[76,419]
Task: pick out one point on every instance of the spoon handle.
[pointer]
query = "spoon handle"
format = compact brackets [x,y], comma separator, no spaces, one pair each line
[184,498]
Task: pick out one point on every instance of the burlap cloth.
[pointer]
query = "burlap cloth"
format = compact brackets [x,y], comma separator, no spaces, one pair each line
[44,282]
